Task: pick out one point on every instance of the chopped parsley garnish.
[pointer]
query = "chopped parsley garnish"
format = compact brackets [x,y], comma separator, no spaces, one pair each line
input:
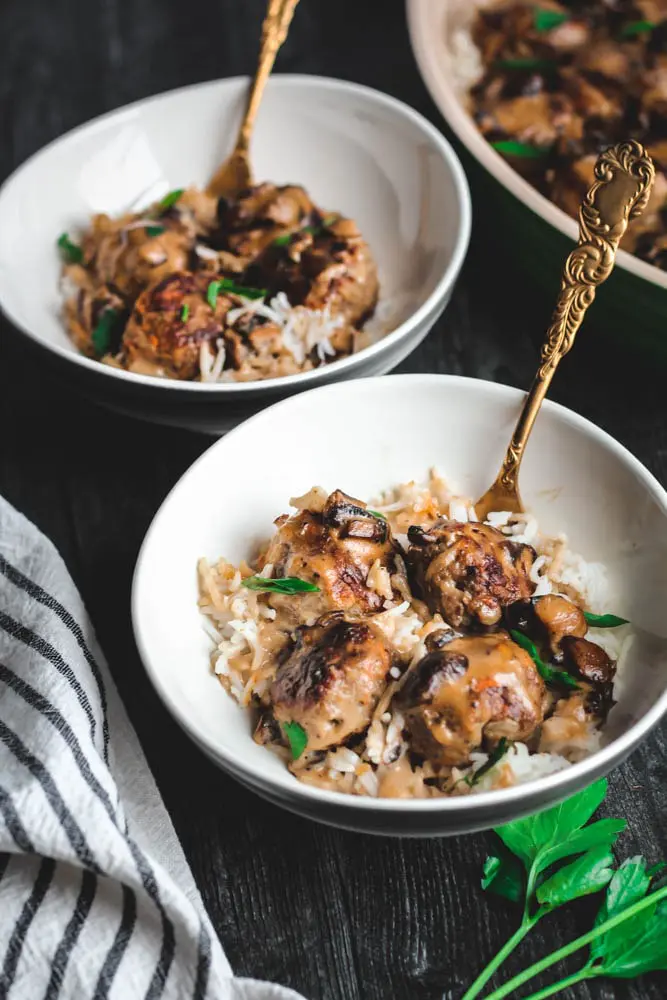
[185,312]
[545,20]
[71,252]
[604,621]
[549,674]
[297,738]
[376,513]
[280,585]
[212,292]
[170,199]
[510,147]
[635,28]
[494,757]
[101,335]
[227,285]
[328,220]
[154,230]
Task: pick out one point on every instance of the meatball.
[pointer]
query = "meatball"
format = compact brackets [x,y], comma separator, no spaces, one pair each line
[330,266]
[330,679]
[259,215]
[559,618]
[470,693]
[469,572]
[169,323]
[335,547]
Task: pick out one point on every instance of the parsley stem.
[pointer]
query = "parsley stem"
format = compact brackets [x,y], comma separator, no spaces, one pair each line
[563,984]
[526,925]
[580,942]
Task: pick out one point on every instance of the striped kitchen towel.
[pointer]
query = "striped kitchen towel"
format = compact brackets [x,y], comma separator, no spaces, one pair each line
[96,897]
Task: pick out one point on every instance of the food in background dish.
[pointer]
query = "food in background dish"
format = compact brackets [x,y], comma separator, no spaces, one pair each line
[551,85]
[218,290]
[404,649]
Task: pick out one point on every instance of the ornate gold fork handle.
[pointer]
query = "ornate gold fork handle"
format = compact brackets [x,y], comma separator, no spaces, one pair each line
[274,32]
[624,176]
[235,172]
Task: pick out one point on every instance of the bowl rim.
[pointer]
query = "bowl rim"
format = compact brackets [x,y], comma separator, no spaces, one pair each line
[338,368]
[288,787]
[425,29]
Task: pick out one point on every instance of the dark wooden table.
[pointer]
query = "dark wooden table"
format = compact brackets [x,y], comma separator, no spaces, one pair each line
[337,916]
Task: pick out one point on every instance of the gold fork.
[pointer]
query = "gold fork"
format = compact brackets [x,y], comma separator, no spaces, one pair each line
[624,177]
[235,174]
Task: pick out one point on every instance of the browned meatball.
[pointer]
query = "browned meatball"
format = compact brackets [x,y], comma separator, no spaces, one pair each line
[163,337]
[559,618]
[330,679]
[469,572]
[330,266]
[470,693]
[334,548]
[259,215]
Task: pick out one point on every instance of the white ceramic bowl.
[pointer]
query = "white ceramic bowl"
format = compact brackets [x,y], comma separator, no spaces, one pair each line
[353,148]
[575,477]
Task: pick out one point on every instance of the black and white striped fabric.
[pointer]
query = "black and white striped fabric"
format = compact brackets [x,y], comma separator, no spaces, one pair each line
[96,897]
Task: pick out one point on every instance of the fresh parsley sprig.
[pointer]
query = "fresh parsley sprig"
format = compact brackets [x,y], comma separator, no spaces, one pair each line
[629,937]
[528,865]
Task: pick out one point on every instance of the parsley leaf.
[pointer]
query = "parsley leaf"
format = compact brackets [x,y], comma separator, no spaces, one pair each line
[503,874]
[212,293]
[549,674]
[185,312]
[545,20]
[284,239]
[154,231]
[494,757]
[101,335]
[604,832]
[604,621]
[169,200]
[70,252]
[376,513]
[587,874]
[634,28]
[227,285]
[297,738]
[523,150]
[280,585]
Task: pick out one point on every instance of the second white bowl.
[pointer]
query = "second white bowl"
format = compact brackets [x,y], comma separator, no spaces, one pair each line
[354,149]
